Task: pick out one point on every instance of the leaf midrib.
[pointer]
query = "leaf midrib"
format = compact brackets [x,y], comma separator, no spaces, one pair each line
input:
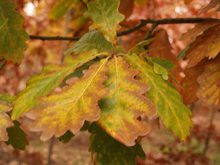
[162,95]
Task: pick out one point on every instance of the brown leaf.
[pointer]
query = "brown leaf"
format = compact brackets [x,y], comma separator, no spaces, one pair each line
[191,34]
[209,90]
[212,4]
[126,7]
[190,84]
[187,1]
[206,45]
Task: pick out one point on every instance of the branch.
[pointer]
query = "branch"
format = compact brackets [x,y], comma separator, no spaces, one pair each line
[135,28]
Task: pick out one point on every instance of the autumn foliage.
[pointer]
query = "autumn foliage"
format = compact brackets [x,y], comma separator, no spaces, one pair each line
[119,74]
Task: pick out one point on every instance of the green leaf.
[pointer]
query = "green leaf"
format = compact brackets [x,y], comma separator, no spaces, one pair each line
[61,7]
[125,105]
[91,41]
[164,63]
[160,66]
[13,36]
[107,151]
[76,103]
[66,137]
[174,114]
[158,69]
[17,137]
[106,17]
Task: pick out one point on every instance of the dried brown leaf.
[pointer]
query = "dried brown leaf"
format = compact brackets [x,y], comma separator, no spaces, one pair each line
[206,45]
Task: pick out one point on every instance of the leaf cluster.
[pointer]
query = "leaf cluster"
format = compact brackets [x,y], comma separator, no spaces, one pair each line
[100,87]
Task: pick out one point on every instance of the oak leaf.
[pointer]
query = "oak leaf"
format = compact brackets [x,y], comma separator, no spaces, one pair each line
[75,104]
[191,84]
[86,49]
[13,36]
[124,108]
[191,34]
[106,17]
[209,81]
[206,45]
[170,108]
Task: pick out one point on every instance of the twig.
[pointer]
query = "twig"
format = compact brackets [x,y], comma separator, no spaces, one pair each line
[209,133]
[135,28]
[50,151]
[150,31]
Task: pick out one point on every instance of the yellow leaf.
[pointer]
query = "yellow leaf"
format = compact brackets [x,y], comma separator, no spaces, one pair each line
[124,108]
[75,104]
[46,81]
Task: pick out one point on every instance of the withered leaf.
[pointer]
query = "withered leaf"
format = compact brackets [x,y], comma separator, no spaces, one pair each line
[206,45]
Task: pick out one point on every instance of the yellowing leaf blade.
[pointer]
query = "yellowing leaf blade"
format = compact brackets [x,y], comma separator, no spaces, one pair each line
[45,82]
[125,104]
[173,113]
[90,46]
[75,104]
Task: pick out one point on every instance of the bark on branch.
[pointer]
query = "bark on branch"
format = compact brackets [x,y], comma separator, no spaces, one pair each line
[135,28]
